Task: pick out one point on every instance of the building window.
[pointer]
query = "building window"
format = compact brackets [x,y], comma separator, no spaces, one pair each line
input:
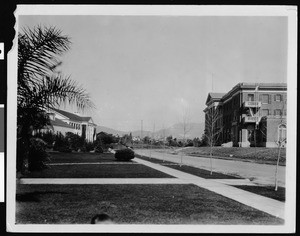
[265,99]
[277,98]
[264,112]
[277,112]
[250,97]
[281,133]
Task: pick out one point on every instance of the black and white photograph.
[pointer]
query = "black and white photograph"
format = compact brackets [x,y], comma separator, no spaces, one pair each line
[152,119]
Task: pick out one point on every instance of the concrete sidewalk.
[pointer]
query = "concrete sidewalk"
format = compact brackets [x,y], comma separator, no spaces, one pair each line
[268,205]
[102,181]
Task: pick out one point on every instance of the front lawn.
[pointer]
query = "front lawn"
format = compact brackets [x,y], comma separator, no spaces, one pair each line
[119,170]
[267,191]
[75,157]
[93,165]
[260,155]
[154,160]
[132,204]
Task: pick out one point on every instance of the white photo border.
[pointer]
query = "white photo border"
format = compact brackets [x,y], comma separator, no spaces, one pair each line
[153,10]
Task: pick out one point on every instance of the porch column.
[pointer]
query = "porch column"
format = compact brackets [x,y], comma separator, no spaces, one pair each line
[245,142]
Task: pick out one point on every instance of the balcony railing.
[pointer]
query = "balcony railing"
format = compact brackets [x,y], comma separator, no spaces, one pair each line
[252,104]
[251,119]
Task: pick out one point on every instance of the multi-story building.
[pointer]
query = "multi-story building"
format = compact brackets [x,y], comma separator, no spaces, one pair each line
[250,114]
[63,122]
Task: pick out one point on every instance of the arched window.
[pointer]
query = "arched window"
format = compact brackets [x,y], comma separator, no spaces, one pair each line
[282,132]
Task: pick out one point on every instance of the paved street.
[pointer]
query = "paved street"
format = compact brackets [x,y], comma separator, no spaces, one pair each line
[257,173]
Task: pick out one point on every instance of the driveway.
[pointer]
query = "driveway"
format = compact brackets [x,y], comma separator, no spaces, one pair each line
[263,174]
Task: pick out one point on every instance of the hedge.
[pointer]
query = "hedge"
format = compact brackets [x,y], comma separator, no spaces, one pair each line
[124,154]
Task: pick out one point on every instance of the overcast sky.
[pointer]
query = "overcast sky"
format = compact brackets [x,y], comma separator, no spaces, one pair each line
[154,68]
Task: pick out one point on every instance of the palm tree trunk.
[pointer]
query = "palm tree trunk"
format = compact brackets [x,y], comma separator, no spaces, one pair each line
[23,145]
[23,155]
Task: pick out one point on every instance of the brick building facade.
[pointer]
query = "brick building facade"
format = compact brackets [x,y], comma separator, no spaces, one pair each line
[249,114]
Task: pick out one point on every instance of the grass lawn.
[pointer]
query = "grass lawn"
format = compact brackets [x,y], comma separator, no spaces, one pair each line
[261,155]
[190,169]
[154,160]
[109,167]
[75,157]
[128,170]
[267,191]
[132,204]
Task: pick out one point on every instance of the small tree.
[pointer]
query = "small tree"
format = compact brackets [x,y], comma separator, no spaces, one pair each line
[169,140]
[146,139]
[105,139]
[213,129]
[196,142]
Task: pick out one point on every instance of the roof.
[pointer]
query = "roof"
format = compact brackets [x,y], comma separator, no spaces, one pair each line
[260,86]
[72,116]
[214,96]
[58,122]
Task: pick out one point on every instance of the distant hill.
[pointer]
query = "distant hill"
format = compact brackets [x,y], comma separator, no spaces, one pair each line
[137,133]
[109,130]
[194,130]
[176,130]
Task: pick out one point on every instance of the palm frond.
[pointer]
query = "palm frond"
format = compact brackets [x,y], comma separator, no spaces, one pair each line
[38,51]
[58,89]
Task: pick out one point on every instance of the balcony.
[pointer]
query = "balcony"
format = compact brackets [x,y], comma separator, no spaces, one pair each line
[251,119]
[252,104]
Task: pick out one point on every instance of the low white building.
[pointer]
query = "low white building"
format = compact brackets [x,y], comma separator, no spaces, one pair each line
[63,122]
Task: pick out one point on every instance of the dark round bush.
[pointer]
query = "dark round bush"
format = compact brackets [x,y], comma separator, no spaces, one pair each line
[124,154]
[99,149]
[37,154]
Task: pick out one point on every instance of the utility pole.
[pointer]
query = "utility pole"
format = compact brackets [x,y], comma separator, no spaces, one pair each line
[164,134]
[142,133]
[212,82]
[152,137]
[141,129]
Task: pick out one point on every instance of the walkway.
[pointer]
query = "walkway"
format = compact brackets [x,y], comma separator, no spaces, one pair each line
[258,173]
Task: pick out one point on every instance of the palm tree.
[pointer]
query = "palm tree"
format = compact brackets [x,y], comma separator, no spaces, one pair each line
[39,86]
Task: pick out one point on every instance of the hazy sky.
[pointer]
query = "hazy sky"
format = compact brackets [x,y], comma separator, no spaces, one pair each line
[153,68]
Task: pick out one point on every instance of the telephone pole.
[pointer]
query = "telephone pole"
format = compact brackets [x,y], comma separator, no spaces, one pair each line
[141,129]
[212,82]
[142,133]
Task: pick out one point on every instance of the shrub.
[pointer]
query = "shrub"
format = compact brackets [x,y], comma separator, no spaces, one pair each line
[75,141]
[98,148]
[89,146]
[61,144]
[37,154]
[124,154]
